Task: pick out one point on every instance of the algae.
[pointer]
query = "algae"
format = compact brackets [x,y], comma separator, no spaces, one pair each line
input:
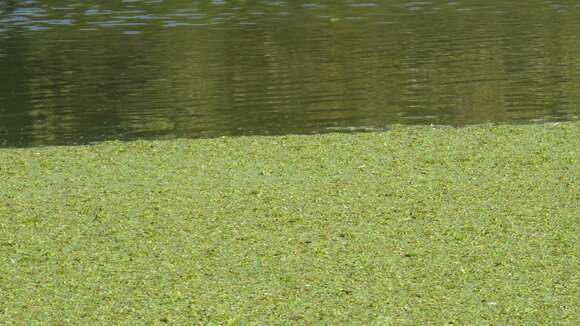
[414,226]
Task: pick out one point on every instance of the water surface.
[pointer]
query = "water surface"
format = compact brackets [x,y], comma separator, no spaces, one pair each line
[79,72]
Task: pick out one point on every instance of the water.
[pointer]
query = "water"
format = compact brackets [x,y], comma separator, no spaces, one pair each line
[80,72]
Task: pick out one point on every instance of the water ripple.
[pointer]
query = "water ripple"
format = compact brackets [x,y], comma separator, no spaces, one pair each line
[82,72]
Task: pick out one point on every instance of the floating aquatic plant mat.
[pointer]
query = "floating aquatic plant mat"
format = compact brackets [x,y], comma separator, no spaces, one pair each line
[418,226]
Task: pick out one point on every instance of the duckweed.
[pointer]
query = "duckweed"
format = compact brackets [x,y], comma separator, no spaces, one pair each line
[413,226]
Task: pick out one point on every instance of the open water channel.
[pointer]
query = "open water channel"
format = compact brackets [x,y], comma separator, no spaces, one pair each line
[84,71]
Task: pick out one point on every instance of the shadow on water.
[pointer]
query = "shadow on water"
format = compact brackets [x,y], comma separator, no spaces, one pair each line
[85,72]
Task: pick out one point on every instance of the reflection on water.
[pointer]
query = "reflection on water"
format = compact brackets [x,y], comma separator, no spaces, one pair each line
[90,71]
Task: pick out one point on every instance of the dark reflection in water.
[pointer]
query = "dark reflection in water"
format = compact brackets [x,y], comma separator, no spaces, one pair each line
[97,70]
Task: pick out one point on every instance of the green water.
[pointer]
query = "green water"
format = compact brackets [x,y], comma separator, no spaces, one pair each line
[84,72]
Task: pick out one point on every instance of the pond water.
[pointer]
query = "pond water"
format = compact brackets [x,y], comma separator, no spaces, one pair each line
[84,71]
